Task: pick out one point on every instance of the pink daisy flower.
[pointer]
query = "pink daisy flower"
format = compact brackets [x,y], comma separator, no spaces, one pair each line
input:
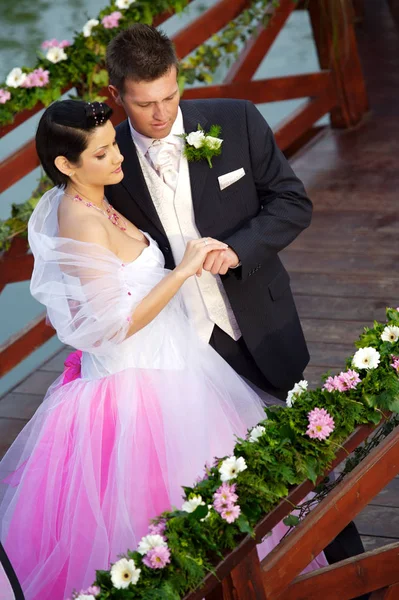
[231,514]
[224,497]
[350,379]
[157,558]
[321,424]
[157,528]
[112,20]
[395,363]
[4,96]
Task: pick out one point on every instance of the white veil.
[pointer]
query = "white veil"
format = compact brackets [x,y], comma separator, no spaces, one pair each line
[86,289]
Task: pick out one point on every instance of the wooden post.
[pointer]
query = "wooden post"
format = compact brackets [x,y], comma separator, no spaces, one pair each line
[243,583]
[335,38]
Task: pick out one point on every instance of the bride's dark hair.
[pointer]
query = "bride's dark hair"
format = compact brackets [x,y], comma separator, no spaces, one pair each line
[64,130]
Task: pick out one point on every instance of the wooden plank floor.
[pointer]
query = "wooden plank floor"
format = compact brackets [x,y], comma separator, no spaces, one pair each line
[344,268]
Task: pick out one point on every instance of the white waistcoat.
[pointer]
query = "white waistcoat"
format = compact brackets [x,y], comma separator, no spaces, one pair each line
[204,297]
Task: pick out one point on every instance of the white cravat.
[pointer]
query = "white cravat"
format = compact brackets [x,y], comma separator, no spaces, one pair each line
[164,156]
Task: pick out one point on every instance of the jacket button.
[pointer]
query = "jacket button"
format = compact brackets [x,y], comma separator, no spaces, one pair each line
[166,249]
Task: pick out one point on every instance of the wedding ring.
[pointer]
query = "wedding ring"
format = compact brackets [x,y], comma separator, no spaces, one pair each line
[205,242]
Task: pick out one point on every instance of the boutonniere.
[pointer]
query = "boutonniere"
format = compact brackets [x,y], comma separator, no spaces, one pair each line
[200,145]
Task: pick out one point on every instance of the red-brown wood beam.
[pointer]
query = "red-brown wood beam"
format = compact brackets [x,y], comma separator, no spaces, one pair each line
[18,164]
[335,20]
[275,89]
[15,268]
[259,45]
[388,593]
[19,346]
[341,505]
[244,582]
[209,23]
[303,119]
[349,578]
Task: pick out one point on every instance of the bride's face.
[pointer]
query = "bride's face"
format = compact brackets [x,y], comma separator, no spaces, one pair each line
[100,163]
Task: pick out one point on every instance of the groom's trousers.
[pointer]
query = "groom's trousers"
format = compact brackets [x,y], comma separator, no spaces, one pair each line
[347,543]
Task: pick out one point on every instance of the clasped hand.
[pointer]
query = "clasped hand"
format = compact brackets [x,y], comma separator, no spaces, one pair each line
[209,254]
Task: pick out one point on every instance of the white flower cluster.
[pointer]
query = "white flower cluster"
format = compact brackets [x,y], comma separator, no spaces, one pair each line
[366,358]
[198,139]
[231,467]
[390,334]
[256,433]
[123,573]
[296,391]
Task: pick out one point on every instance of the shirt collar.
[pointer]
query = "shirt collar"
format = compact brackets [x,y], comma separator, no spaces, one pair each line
[143,142]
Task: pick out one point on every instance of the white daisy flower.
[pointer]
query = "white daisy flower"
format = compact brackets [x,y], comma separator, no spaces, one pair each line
[390,334]
[124,3]
[231,466]
[56,55]
[15,78]
[193,503]
[85,597]
[296,391]
[149,542]
[89,26]
[196,139]
[123,573]
[256,433]
[366,358]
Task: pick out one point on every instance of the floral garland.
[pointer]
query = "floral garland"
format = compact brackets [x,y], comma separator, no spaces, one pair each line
[62,64]
[293,443]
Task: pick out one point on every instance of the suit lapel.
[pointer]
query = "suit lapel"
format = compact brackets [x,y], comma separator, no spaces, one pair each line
[199,170]
[133,180]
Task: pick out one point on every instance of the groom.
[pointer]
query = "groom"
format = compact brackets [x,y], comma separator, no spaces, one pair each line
[242,304]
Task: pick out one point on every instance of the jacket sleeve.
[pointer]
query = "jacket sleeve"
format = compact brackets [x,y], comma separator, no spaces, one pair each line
[284,208]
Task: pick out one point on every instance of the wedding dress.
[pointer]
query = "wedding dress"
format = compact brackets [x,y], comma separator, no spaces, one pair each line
[110,446]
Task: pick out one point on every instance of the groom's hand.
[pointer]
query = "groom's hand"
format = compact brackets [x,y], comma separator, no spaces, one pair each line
[218,263]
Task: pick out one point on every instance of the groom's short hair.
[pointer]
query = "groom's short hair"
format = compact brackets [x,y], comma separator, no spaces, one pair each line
[139,53]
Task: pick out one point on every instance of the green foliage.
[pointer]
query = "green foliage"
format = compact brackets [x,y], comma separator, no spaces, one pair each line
[282,457]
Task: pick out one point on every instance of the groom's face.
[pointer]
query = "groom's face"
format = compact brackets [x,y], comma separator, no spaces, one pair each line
[151,105]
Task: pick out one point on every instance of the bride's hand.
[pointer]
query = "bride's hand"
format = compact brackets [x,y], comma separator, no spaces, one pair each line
[195,255]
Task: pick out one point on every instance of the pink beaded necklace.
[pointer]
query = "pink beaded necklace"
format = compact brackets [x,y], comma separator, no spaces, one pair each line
[109,211]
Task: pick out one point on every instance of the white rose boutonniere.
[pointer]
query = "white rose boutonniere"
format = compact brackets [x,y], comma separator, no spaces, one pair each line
[200,145]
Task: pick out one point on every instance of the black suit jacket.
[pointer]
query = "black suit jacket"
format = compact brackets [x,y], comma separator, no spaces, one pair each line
[257,216]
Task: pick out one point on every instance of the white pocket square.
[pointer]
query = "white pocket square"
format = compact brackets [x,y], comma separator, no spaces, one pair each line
[230,178]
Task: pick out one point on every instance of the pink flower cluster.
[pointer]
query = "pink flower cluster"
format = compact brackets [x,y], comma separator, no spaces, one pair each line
[395,363]
[321,424]
[112,20]
[4,96]
[38,78]
[55,44]
[342,382]
[224,502]
[157,558]
[158,528]
[94,590]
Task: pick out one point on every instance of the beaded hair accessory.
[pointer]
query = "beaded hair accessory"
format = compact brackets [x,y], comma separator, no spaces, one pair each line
[98,119]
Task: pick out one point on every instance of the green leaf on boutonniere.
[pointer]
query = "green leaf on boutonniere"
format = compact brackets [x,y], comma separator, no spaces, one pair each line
[201,145]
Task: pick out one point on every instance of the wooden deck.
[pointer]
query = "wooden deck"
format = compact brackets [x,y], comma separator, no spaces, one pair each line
[344,268]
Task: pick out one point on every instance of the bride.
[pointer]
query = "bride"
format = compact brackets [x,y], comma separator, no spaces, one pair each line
[144,403]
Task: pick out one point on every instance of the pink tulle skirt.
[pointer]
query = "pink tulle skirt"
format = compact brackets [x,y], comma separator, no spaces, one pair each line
[100,458]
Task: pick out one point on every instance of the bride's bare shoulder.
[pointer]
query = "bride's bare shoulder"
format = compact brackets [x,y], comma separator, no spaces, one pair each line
[78,222]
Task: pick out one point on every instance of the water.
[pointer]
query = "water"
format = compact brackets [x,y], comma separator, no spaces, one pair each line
[24,25]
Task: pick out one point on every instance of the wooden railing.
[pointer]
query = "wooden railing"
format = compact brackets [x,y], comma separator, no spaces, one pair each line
[241,576]
[337,89]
